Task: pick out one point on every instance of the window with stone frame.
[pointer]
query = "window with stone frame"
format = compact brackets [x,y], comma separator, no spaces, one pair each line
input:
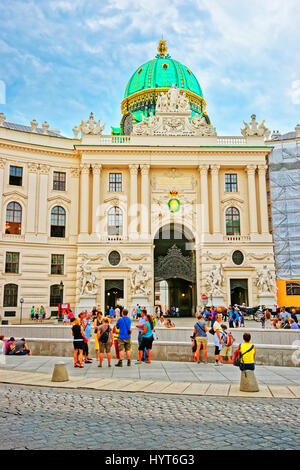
[55,295]
[232,221]
[115,182]
[115,221]
[57,264]
[58,222]
[59,181]
[15,175]
[12,262]
[231,183]
[10,295]
[13,223]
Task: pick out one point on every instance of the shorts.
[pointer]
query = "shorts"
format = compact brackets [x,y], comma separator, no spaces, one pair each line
[66,318]
[104,347]
[202,339]
[78,344]
[226,351]
[217,350]
[146,343]
[124,344]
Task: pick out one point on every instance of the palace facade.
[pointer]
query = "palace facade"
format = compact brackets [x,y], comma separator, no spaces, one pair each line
[160,212]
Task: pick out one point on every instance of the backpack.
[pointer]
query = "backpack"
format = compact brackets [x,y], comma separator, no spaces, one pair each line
[104,337]
[238,357]
[229,339]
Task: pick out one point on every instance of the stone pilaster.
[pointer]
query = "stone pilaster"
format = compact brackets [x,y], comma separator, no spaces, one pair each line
[84,198]
[204,199]
[145,200]
[215,198]
[96,197]
[252,198]
[133,207]
[264,222]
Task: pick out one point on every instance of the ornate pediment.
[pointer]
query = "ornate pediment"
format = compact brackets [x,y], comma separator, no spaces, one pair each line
[173,117]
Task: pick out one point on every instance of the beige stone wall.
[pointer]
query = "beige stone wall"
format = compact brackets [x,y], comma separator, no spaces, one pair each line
[150,169]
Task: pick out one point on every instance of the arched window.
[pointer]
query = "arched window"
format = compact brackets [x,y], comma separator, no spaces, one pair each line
[10,295]
[232,221]
[13,223]
[115,221]
[58,222]
[56,295]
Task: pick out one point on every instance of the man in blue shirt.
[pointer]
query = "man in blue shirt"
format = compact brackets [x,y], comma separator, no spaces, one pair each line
[230,317]
[140,326]
[124,341]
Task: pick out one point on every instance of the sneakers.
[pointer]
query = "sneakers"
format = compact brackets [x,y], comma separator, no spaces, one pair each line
[217,364]
[119,364]
[129,362]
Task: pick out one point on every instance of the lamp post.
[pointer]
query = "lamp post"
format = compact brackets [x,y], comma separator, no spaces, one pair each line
[61,294]
[21,302]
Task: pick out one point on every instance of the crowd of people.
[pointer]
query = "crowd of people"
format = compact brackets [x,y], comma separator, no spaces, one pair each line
[38,313]
[281,319]
[108,334]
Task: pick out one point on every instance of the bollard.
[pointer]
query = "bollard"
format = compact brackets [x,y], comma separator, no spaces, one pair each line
[248,381]
[60,373]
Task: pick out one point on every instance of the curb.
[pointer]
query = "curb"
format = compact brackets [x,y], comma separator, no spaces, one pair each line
[150,386]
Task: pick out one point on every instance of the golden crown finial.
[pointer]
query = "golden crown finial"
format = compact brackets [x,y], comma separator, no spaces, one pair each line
[162,48]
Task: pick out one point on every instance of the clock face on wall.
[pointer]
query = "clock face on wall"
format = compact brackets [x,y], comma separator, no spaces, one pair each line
[128,125]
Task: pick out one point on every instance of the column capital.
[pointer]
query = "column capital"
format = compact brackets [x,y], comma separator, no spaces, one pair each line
[145,169]
[215,169]
[133,169]
[2,163]
[96,168]
[44,169]
[262,169]
[251,169]
[33,167]
[85,168]
[203,169]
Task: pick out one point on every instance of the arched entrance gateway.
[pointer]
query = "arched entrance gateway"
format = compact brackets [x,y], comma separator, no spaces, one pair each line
[175,269]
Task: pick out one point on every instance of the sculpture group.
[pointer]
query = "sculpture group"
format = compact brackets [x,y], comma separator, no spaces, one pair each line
[255,129]
[173,117]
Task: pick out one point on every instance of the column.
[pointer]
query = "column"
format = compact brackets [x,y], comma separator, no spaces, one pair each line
[2,209]
[43,199]
[96,197]
[215,198]
[32,190]
[133,208]
[252,198]
[84,198]
[145,200]
[74,208]
[204,198]
[264,217]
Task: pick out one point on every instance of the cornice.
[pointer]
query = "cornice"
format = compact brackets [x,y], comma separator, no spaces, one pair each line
[171,151]
[36,148]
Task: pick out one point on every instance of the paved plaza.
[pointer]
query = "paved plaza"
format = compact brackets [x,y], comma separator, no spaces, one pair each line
[43,418]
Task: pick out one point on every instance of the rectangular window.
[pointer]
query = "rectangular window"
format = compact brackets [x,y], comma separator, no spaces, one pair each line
[12,262]
[231,183]
[59,181]
[292,288]
[15,175]
[57,264]
[115,182]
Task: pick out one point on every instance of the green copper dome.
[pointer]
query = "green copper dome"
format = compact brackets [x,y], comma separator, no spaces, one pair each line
[153,78]
[162,72]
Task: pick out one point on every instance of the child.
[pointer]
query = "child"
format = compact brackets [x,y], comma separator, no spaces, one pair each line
[242,320]
[227,342]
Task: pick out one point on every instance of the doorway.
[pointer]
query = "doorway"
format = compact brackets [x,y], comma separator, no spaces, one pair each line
[175,269]
[114,292]
[239,291]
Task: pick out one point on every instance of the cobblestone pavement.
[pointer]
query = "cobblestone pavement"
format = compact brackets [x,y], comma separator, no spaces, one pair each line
[42,418]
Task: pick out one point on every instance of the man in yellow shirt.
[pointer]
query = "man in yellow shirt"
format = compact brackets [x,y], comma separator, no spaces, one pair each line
[247,351]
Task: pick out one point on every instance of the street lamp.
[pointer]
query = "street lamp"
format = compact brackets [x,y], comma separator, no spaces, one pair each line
[21,302]
[61,293]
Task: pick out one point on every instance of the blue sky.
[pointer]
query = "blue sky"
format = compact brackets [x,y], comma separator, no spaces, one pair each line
[62,59]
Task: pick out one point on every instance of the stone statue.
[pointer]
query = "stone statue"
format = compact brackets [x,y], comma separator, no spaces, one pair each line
[201,127]
[139,278]
[183,104]
[265,281]
[87,279]
[214,280]
[146,126]
[91,126]
[253,129]
[173,96]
